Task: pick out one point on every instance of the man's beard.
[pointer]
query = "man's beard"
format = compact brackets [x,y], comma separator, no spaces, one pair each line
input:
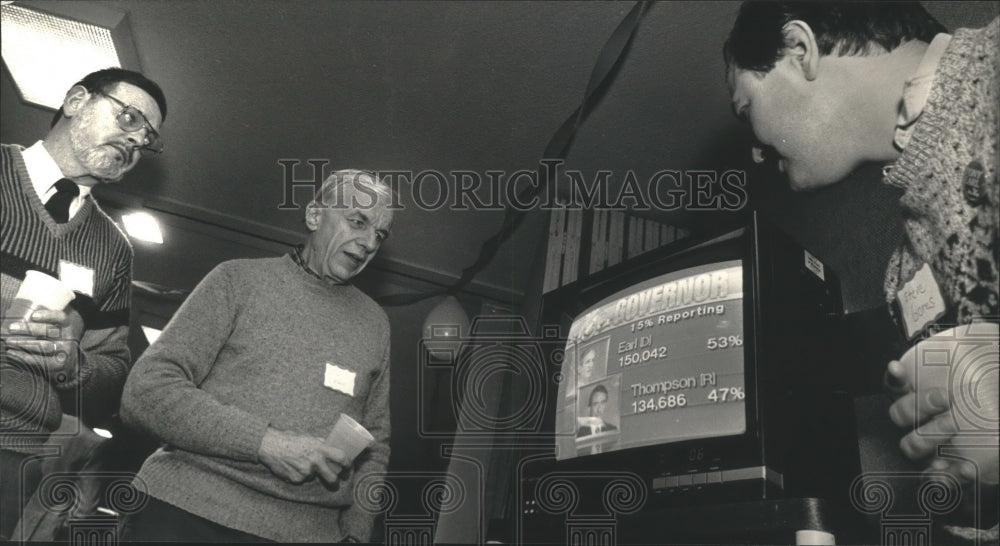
[100,164]
[96,159]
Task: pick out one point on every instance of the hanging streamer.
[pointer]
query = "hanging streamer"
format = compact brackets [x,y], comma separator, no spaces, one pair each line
[608,62]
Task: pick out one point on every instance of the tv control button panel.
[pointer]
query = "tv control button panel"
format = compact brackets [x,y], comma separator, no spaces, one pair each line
[715,477]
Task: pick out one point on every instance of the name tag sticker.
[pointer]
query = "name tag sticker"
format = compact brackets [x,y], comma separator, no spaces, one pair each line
[339,379]
[78,278]
[920,301]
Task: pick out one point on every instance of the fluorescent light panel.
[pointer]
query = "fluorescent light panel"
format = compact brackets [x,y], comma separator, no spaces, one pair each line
[142,226]
[47,53]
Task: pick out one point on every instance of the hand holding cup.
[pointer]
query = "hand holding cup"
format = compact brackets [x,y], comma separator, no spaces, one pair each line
[38,291]
[39,332]
[951,403]
[350,437]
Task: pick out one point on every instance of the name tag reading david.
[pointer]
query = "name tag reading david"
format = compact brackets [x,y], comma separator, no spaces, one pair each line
[339,379]
[920,301]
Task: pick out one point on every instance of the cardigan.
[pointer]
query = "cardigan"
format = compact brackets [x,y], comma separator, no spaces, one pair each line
[948,172]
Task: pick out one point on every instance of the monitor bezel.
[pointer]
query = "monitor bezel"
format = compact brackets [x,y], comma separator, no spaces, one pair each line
[680,456]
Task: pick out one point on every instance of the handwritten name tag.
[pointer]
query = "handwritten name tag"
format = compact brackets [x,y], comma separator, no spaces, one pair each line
[920,301]
[339,379]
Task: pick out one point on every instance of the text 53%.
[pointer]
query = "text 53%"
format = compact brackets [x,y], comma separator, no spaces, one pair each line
[724,342]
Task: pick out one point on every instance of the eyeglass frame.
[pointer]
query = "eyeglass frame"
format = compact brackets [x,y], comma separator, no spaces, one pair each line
[149,126]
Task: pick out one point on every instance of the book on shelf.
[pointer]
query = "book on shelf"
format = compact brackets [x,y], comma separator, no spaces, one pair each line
[555,250]
[585,242]
[571,259]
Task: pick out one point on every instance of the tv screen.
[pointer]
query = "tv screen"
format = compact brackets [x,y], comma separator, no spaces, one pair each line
[658,362]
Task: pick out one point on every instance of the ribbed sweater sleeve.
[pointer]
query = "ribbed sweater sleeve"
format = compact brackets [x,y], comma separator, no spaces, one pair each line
[104,356]
[356,520]
[162,395]
[104,364]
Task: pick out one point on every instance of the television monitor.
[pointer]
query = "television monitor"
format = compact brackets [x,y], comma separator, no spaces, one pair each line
[708,369]
[659,361]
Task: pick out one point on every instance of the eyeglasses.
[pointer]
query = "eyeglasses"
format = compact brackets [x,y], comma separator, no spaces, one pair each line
[130,119]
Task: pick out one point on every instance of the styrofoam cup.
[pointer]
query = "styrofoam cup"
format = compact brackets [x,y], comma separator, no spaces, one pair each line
[350,436]
[38,291]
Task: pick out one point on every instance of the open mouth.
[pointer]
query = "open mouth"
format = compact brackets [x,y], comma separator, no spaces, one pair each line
[123,152]
[354,258]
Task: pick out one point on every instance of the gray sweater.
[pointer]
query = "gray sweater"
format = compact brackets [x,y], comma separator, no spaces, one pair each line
[249,348]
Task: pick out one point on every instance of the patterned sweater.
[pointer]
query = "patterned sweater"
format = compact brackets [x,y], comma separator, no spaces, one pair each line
[948,172]
[951,200]
[32,406]
[251,347]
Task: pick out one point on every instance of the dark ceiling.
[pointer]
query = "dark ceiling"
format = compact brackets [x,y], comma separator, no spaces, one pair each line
[416,86]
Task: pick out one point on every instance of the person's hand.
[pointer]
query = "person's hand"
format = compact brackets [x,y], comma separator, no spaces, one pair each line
[297,458]
[928,414]
[48,342]
[950,405]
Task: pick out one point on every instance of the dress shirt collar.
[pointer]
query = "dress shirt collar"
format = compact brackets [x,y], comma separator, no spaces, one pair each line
[917,88]
[44,174]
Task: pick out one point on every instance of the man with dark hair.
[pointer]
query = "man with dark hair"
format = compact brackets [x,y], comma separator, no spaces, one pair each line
[597,405]
[821,82]
[103,81]
[830,86]
[60,359]
[246,383]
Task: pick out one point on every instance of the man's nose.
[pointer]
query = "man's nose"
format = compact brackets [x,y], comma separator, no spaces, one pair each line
[369,242]
[139,137]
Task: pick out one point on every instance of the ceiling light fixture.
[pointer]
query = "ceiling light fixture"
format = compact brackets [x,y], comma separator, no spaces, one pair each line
[47,48]
[142,226]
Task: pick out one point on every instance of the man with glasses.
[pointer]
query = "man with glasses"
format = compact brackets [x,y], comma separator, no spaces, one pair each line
[58,361]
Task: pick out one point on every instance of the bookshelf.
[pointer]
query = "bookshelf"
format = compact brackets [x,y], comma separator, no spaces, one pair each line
[583,242]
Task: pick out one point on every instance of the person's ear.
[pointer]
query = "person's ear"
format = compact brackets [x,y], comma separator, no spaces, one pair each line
[76,97]
[314,214]
[801,49]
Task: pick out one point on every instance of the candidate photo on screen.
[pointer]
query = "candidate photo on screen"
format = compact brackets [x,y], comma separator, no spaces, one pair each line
[598,418]
[592,362]
[598,411]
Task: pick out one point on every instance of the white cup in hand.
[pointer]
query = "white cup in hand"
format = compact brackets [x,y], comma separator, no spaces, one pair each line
[958,370]
[350,437]
[37,291]
[961,362]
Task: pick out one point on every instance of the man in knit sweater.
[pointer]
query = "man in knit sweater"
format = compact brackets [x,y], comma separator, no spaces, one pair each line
[60,361]
[829,86]
[249,377]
